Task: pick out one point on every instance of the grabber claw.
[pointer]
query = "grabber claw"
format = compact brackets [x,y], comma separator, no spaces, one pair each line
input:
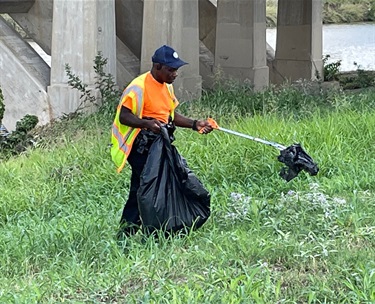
[294,157]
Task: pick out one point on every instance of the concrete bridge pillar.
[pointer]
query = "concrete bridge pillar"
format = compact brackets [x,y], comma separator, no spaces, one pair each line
[80,30]
[241,41]
[299,40]
[175,23]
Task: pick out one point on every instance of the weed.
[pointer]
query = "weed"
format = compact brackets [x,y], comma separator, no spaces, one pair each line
[358,80]
[76,83]
[331,70]
[103,82]
[365,78]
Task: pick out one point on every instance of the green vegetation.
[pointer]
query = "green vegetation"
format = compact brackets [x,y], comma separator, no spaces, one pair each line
[271,13]
[331,70]
[18,140]
[348,11]
[358,79]
[103,82]
[308,241]
[334,11]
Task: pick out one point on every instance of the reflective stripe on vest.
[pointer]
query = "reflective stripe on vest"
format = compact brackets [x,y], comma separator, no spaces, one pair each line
[123,136]
[171,93]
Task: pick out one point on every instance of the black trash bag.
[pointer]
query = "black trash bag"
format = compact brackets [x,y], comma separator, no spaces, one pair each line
[170,196]
[296,160]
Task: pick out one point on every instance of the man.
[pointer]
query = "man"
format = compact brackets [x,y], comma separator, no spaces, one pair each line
[146,105]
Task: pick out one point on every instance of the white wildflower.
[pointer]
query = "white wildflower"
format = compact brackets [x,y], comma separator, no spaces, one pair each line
[339,201]
[314,186]
[236,196]
[321,198]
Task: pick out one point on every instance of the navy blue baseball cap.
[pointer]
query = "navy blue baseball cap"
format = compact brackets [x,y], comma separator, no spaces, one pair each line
[168,56]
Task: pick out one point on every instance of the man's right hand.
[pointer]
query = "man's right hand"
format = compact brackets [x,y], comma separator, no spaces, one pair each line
[129,119]
[153,125]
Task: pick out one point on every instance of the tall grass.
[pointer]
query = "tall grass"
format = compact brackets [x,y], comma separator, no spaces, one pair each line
[307,241]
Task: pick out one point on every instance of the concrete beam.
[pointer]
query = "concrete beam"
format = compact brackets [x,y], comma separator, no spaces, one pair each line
[129,18]
[37,23]
[15,6]
[207,24]
[177,26]
[128,64]
[241,41]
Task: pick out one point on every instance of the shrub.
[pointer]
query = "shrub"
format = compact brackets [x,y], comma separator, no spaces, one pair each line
[18,140]
[357,80]
[104,83]
[331,70]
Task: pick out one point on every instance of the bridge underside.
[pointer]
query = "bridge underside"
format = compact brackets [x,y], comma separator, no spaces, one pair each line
[229,38]
[15,6]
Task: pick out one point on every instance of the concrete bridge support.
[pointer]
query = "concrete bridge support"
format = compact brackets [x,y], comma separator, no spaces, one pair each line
[76,41]
[37,23]
[241,41]
[24,77]
[299,40]
[174,23]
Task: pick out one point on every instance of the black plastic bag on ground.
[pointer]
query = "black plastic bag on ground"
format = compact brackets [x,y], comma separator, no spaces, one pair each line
[170,197]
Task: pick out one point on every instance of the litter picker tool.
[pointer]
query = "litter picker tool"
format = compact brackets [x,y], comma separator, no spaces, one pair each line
[294,157]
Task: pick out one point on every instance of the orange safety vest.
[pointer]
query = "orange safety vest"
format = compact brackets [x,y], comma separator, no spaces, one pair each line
[123,136]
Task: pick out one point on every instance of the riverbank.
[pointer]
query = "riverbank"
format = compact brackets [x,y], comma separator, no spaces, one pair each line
[334,11]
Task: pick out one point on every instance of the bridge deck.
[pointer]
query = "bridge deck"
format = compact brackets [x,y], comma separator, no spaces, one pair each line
[15,6]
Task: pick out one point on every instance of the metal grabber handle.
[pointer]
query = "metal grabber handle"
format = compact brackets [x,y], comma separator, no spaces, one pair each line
[215,126]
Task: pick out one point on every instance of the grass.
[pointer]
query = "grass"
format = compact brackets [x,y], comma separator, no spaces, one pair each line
[307,241]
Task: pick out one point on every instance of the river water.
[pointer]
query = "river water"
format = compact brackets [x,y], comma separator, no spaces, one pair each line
[346,42]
